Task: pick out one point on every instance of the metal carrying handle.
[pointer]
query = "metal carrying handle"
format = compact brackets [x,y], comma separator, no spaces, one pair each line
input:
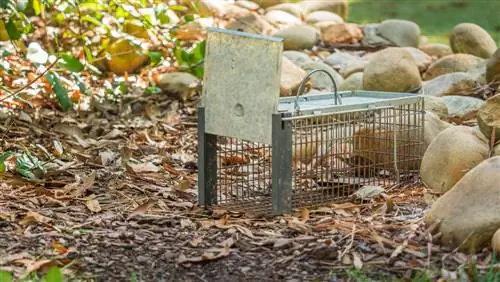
[301,87]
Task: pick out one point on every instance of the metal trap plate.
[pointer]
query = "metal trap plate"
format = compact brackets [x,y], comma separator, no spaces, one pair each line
[241,84]
[351,100]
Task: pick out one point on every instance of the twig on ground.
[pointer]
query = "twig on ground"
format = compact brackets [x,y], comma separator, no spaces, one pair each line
[29,83]
[350,243]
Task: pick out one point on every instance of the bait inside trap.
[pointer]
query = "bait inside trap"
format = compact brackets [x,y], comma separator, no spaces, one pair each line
[261,152]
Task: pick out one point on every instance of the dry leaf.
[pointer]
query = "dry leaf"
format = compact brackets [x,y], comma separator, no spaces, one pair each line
[358,264]
[75,190]
[282,243]
[57,148]
[369,192]
[170,169]
[32,265]
[184,185]
[60,249]
[304,214]
[399,249]
[107,157]
[113,134]
[228,243]
[142,167]
[235,160]
[142,208]
[34,217]
[206,256]
[93,205]
[195,242]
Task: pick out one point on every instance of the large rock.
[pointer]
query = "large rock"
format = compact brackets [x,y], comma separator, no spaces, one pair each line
[281,18]
[456,83]
[247,4]
[392,69]
[436,105]
[450,155]
[495,242]
[299,37]
[251,23]
[488,117]
[335,33]
[478,72]
[422,59]
[339,7]
[371,36]
[402,33]
[180,85]
[297,57]
[468,213]
[353,82]
[268,3]
[338,59]
[462,108]
[346,64]
[290,8]
[493,67]
[291,76]
[472,39]
[323,16]
[433,125]
[452,63]
[437,50]
[320,80]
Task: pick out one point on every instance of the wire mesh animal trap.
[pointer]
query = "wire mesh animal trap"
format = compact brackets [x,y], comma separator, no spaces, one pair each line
[265,153]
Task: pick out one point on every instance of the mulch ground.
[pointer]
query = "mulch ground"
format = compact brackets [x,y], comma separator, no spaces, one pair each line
[119,201]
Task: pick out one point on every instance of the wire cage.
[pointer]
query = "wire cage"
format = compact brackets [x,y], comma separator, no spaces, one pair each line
[317,149]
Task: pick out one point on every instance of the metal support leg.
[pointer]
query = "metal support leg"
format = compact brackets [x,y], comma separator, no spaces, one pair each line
[207,163]
[282,165]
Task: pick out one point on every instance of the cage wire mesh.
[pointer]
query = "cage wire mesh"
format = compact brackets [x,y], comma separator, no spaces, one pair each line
[307,150]
[326,157]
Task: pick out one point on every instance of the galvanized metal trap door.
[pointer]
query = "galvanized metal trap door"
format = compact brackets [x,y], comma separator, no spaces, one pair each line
[241,84]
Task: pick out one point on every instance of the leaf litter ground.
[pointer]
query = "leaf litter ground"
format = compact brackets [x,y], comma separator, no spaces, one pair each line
[118,198]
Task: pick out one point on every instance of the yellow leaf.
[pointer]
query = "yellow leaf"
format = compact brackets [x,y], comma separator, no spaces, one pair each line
[304,215]
[142,208]
[93,205]
[34,217]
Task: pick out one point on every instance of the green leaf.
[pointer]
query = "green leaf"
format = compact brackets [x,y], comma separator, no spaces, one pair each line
[178,8]
[54,275]
[122,87]
[188,18]
[60,91]
[94,21]
[37,7]
[92,5]
[71,63]
[14,33]
[88,54]
[163,17]
[199,71]
[186,57]
[155,58]
[5,276]
[5,155]
[152,90]
[199,51]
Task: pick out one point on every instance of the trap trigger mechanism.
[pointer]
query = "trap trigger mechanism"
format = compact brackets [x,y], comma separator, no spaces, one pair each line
[303,82]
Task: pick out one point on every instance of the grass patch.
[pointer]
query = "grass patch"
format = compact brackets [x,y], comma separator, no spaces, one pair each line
[436,18]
